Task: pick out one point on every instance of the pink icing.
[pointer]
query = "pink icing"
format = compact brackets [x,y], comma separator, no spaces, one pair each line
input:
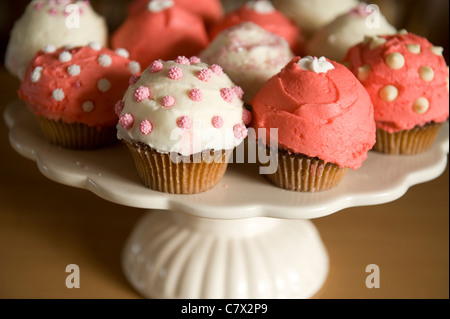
[227,94]
[126,121]
[77,89]
[142,93]
[183,60]
[397,115]
[204,75]
[184,122]
[217,122]
[246,117]
[146,127]
[175,73]
[168,101]
[196,95]
[327,115]
[217,69]
[240,131]
[156,66]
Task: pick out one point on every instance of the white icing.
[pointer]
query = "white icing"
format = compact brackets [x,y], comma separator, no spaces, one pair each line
[88,106]
[261,6]
[95,46]
[166,135]
[104,60]
[65,56]
[49,48]
[159,5]
[103,85]
[74,70]
[314,64]
[134,67]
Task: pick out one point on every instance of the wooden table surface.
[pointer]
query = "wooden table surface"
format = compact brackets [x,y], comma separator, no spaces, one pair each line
[45,226]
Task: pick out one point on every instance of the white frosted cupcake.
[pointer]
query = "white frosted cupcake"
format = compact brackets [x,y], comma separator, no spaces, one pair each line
[52,24]
[181,121]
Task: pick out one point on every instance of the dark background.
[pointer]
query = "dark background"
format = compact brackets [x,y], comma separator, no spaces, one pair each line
[428,18]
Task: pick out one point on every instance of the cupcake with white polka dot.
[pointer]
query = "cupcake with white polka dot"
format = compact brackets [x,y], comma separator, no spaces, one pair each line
[73,92]
[181,120]
[408,81]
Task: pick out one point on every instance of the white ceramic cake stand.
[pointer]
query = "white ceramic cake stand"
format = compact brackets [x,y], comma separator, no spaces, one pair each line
[243,239]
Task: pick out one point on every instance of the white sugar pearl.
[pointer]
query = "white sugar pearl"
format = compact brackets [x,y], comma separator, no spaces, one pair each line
[58,95]
[395,61]
[376,42]
[74,70]
[414,48]
[104,60]
[95,46]
[363,72]
[421,105]
[437,50]
[389,93]
[49,48]
[36,74]
[88,106]
[103,85]
[426,73]
[123,52]
[134,67]
[65,56]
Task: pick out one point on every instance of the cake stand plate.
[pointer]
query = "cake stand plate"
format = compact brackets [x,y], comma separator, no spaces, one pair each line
[243,239]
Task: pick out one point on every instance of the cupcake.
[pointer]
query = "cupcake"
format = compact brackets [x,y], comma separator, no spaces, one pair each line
[210,11]
[312,15]
[407,80]
[181,121]
[73,93]
[262,13]
[324,118]
[347,30]
[249,55]
[57,23]
[162,30]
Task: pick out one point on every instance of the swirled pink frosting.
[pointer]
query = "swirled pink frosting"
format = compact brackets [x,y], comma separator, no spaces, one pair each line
[406,77]
[325,115]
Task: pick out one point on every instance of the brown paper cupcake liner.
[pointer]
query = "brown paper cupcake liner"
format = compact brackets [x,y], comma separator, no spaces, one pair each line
[77,136]
[181,174]
[300,173]
[408,142]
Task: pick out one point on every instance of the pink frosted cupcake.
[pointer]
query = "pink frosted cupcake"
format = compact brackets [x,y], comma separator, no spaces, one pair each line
[407,79]
[73,93]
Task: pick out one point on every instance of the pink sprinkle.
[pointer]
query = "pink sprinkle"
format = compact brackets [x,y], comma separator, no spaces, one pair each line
[184,122]
[238,91]
[183,60]
[227,94]
[146,127]
[240,131]
[204,75]
[76,85]
[156,66]
[216,69]
[53,11]
[175,73]
[246,116]
[118,108]
[360,10]
[142,93]
[196,95]
[127,121]
[217,122]
[168,101]
[38,6]
[194,59]
[133,79]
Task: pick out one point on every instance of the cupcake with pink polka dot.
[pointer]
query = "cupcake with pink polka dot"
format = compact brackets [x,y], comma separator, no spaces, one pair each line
[181,120]
[408,81]
[74,91]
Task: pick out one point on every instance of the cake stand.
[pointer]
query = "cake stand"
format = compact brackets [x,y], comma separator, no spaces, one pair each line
[244,239]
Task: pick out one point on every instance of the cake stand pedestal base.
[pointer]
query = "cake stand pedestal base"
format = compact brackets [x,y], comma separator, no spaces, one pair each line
[173,255]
